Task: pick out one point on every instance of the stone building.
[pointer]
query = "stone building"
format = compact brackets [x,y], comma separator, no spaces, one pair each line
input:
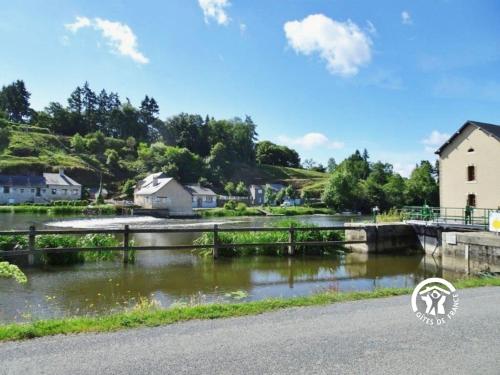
[469,167]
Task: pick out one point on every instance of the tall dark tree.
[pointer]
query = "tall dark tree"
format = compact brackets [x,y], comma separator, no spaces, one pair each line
[89,105]
[15,101]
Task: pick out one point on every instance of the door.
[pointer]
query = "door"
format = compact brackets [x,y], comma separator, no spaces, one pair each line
[199,202]
[38,192]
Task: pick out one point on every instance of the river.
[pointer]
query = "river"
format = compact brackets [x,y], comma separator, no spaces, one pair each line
[183,277]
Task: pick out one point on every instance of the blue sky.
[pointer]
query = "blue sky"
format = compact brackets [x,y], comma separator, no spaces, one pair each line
[323,76]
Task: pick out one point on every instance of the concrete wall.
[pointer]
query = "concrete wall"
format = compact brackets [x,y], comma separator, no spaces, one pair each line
[379,238]
[471,252]
[453,162]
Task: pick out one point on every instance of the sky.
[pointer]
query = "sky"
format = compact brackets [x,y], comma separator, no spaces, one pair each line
[325,77]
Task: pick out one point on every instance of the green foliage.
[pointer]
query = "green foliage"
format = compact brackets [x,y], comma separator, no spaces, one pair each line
[69,241]
[241,189]
[12,271]
[128,188]
[357,184]
[230,205]
[78,143]
[13,242]
[272,154]
[4,138]
[14,101]
[272,238]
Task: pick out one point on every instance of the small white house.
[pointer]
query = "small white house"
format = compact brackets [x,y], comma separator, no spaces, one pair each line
[202,197]
[38,189]
[158,191]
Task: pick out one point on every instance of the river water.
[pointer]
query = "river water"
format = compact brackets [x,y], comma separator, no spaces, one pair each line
[184,277]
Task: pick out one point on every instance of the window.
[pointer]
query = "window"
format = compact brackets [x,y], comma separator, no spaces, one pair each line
[471,173]
[65,191]
[471,200]
[470,150]
[32,190]
[208,199]
[6,190]
[54,191]
[21,191]
[74,191]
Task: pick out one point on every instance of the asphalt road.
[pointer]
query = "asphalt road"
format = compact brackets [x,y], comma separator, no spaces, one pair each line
[380,336]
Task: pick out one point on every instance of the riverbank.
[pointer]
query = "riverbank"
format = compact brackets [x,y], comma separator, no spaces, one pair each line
[104,209]
[263,211]
[148,314]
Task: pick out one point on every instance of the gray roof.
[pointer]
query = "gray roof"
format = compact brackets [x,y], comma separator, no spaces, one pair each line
[199,190]
[59,179]
[37,181]
[149,188]
[491,129]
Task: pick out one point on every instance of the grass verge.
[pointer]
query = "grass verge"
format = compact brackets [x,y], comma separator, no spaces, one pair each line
[152,316]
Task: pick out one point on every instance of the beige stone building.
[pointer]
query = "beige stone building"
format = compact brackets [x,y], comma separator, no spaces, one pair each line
[158,191]
[469,167]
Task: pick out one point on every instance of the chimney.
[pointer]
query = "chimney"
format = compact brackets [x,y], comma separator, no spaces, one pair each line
[61,171]
[155,181]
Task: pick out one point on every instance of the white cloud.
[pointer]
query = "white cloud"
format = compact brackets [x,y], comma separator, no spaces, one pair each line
[435,140]
[79,23]
[215,10]
[310,141]
[243,28]
[343,45]
[406,18]
[119,36]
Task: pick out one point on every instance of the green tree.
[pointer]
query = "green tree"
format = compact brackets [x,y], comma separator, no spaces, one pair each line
[112,158]
[395,191]
[269,196]
[78,143]
[272,154]
[230,188]
[241,189]
[128,188]
[421,187]
[342,191]
[332,164]
[15,101]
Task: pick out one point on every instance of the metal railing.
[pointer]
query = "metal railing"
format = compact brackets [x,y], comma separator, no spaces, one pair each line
[478,217]
[126,246]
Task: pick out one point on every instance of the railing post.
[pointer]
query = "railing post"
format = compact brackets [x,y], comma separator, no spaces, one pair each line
[31,244]
[126,243]
[216,241]
[291,239]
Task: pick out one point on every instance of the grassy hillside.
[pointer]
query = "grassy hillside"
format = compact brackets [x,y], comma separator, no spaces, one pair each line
[300,178]
[33,150]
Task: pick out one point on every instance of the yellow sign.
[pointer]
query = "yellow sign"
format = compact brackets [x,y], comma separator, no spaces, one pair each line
[495,222]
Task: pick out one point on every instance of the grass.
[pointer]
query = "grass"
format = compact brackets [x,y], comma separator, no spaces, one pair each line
[300,210]
[223,212]
[150,315]
[269,237]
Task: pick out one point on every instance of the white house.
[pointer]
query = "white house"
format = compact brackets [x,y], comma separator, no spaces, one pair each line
[158,191]
[202,197]
[38,189]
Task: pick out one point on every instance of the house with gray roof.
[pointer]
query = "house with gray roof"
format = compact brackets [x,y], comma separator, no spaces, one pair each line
[159,192]
[38,189]
[202,197]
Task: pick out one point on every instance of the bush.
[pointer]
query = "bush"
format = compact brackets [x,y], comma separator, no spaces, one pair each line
[8,270]
[230,205]
[271,237]
[241,206]
[12,242]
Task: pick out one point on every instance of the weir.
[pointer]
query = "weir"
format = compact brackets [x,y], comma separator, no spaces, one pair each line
[454,247]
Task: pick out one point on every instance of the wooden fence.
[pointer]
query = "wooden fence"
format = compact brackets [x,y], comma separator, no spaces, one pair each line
[126,231]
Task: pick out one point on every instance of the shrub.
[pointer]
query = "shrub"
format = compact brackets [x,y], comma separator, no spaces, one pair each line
[271,237]
[241,206]
[230,205]
[8,270]
[12,242]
